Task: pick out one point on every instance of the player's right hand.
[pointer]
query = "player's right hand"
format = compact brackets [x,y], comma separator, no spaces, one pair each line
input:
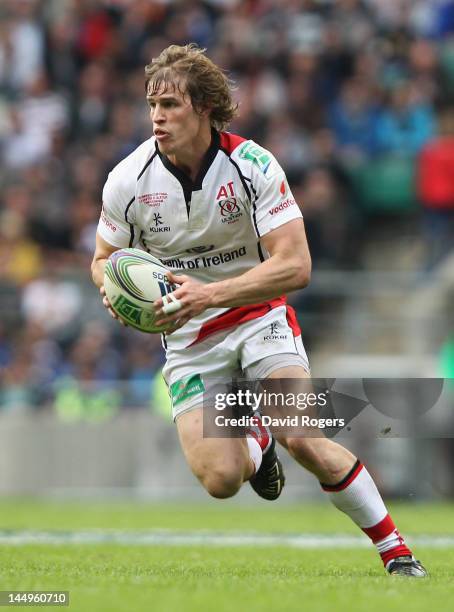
[107,305]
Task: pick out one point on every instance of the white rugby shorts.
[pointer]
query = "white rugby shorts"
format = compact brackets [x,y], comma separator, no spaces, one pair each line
[251,350]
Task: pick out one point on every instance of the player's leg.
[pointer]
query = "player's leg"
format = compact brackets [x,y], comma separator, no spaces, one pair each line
[329,461]
[220,464]
[268,479]
[351,489]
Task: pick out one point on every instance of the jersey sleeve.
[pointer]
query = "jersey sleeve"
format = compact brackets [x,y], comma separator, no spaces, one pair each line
[116,223]
[273,204]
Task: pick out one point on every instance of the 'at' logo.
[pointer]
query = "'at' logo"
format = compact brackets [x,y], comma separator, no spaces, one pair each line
[226,191]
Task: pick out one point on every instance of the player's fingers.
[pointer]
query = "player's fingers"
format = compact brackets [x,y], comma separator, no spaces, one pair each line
[178,323]
[165,321]
[171,319]
[171,306]
[102,290]
[160,303]
[112,313]
[177,278]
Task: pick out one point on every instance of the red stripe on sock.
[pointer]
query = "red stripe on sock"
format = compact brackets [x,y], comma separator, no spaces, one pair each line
[399,551]
[380,530]
[344,483]
[261,435]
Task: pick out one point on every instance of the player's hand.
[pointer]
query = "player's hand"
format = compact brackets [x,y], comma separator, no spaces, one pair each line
[193,296]
[108,305]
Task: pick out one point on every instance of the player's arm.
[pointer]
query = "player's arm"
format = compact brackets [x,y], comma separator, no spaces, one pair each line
[287,269]
[102,253]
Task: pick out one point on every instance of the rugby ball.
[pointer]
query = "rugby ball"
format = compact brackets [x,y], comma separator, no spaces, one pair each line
[133,280]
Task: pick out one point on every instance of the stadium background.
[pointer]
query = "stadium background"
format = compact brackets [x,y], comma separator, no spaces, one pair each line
[355,98]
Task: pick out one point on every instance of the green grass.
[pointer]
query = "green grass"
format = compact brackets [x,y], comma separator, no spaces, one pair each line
[114,578]
[278,517]
[109,578]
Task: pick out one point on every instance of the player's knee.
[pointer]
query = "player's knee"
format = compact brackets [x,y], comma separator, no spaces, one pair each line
[222,482]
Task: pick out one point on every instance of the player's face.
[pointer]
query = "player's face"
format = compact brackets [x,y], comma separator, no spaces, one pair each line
[176,125]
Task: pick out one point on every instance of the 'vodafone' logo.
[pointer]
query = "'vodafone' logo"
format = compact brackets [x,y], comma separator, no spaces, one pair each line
[106,221]
[282,206]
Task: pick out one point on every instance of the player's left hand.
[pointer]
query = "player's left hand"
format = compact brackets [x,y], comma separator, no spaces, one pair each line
[193,296]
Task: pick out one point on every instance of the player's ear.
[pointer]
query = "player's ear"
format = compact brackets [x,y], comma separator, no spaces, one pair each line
[203,111]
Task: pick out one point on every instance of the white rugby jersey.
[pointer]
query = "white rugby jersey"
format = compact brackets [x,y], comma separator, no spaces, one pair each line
[209,229]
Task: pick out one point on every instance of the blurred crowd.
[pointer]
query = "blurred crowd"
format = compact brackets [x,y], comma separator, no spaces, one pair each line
[354,97]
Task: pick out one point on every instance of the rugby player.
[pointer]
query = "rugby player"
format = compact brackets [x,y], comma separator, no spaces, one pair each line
[217,210]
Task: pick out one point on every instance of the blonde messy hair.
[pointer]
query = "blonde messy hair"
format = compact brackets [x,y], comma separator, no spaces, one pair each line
[205,83]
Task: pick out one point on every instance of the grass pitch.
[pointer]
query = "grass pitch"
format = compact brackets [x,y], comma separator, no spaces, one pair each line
[112,577]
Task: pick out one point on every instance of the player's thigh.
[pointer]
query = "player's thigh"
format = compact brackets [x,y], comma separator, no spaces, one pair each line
[291,371]
[308,445]
[292,374]
[227,457]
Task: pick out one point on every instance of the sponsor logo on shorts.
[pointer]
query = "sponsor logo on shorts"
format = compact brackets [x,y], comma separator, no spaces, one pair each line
[282,206]
[274,333]
[185,388]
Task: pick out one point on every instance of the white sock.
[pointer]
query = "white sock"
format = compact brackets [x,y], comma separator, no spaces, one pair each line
[358,496]
[255,452]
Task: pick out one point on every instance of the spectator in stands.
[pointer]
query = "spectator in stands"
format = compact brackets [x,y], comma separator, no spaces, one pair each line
[22,45]
[353,119]
[406,124]
[310,76]
[435,186]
